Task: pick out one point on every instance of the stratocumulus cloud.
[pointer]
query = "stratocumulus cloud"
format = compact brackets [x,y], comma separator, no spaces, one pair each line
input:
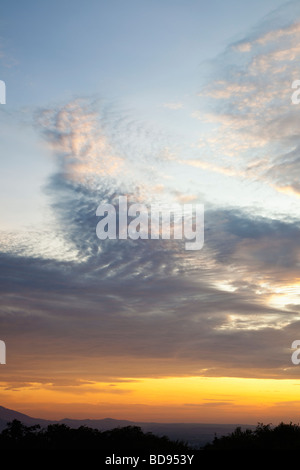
[124,308]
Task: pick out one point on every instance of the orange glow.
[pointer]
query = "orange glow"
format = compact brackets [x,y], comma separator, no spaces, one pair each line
[185,399]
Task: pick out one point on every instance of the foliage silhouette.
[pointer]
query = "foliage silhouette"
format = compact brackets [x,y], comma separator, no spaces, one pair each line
[60,436]
[263,437]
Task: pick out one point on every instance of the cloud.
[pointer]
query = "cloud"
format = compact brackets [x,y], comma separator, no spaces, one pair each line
[83,151]
[197,163]
[272,36]
[210,403]
[247,104]
[141,305]
[128,309]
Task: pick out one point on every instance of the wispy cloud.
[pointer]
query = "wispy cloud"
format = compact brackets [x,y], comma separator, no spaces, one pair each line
[135,308]
[250,110]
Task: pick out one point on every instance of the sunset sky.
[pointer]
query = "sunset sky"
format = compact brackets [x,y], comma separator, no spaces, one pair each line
[164,101]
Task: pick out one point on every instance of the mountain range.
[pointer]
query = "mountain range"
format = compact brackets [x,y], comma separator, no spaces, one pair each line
[195,434]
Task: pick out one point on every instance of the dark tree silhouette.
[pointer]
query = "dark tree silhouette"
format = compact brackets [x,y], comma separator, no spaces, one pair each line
[263,437]
[60,436]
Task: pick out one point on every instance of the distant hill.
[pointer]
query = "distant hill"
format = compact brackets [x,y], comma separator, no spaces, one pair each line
[102,424]
[195,434]
[7,415]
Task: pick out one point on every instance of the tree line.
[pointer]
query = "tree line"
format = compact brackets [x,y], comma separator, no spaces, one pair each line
[263,437]
[60,436]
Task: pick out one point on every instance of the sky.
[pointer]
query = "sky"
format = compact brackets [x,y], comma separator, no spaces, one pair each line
[164,102]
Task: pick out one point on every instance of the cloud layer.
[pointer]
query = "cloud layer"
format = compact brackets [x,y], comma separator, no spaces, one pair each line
[123,308]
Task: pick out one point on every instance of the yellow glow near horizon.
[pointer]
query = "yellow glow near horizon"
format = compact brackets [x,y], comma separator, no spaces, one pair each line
[190,399]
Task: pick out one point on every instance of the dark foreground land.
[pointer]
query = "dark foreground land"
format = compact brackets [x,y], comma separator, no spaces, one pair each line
[60,436]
